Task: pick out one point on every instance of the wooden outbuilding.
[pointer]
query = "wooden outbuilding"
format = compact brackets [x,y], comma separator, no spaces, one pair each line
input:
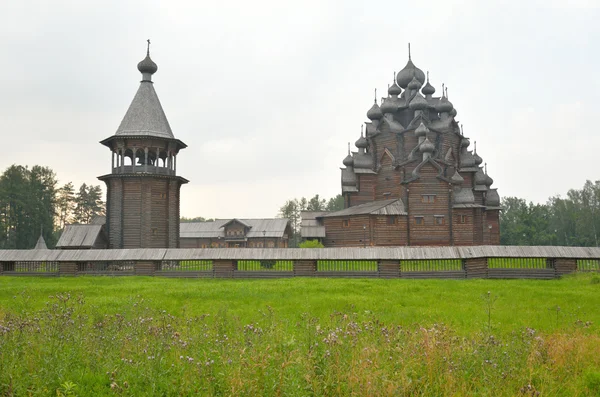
[236,233]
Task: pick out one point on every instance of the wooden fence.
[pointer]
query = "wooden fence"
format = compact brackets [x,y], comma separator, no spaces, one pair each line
[397,262]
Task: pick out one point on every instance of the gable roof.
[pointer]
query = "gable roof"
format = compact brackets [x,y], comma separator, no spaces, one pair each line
[235,220]
[381,207]
[274,227]
[81,236]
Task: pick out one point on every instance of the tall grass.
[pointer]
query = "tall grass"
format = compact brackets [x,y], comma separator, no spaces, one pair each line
[152,336]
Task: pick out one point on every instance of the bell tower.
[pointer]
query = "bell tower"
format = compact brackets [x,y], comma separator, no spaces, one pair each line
[142,203]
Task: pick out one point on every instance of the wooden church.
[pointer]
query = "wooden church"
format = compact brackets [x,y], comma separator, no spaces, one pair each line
[413,180]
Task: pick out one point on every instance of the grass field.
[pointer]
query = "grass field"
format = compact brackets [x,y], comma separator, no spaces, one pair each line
[304,337]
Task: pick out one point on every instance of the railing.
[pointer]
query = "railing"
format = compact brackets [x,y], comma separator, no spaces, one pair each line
[383,262]
[588,265]
[265,265]
[128,169]
[518,263]
[346,266]
[186,266]
[432,265]
[113,268]
[31,267]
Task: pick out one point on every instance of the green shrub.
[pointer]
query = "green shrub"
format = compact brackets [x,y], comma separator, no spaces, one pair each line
[311,244]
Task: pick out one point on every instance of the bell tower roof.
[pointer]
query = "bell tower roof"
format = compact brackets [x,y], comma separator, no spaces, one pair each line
[145,117]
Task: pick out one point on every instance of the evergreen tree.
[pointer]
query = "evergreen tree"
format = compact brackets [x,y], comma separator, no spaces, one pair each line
[65,203]
[335,203]
[88,203]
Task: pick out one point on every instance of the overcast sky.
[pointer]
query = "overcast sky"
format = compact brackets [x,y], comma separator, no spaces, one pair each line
[266,94]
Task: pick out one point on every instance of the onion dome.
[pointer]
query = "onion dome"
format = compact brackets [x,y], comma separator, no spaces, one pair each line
[428,88]
[467,160]
[394,89]
[362,143]
[421,130]
[414,84]
[453,112]
[443,105]
[147,67]
[492,198]
[465,142]
[488,180]
[464,196]
[375,112]
[426,146]
[478,160]
[456,178]
[418,102]
[388,106]
[406,75]
[348,161]
[480,177]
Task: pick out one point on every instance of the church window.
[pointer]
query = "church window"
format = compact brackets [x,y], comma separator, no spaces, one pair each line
[346,223]
[428,198]
[419,220]
[462,219]
[392,220]
[439,219]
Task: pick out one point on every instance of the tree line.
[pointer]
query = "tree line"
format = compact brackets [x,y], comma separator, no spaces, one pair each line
[570,221]
[32,202]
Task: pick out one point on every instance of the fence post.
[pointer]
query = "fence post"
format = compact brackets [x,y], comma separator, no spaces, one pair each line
[564,266]
[388,269]
[476,267]
[67,268]
[144,268]
[305,268]
[223,268]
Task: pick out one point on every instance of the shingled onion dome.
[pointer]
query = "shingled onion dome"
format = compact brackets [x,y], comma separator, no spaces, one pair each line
[421,131]
[443,105]
[362,143]
[488,180]
[492,198]
[375,112]
[465,142]
[453,112]
[480,177]
[426,146]
[428,88]
[348,161]
[394,89]
[464,196]
[418,102]
[414,84]
[456,178]
[147,67]
[478,160]
[388,106]
[409,72]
